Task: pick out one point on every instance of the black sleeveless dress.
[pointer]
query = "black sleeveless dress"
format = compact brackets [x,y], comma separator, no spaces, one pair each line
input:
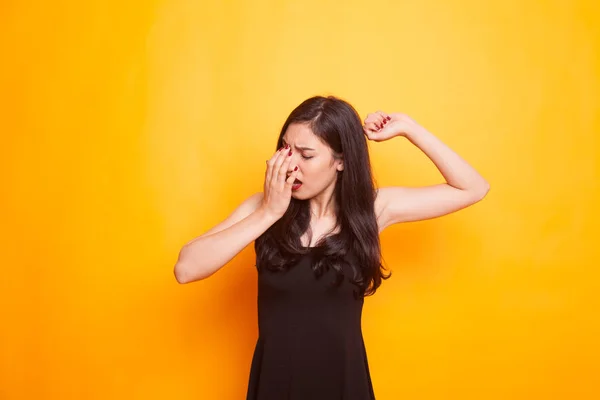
[310,344]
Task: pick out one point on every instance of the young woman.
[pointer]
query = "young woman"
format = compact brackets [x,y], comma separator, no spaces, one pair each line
[316,230]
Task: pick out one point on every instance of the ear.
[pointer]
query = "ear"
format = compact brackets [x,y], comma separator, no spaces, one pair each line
[340,166]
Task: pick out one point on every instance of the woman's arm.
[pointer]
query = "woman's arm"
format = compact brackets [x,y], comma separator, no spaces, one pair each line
[206,254]
[464,185]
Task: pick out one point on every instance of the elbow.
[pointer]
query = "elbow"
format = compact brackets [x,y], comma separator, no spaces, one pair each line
[181,273]
[193,265]
[181,270]
[184,273]
[184,270]
[482,191]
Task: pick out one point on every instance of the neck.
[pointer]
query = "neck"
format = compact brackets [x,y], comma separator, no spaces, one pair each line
[323,205]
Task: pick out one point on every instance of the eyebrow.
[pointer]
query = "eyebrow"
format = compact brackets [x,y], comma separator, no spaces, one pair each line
[299,147]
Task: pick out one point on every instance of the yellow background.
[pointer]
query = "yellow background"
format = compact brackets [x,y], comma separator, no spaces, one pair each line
[129,128]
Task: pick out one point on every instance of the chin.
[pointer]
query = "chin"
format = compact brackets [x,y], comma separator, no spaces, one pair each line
[299,196]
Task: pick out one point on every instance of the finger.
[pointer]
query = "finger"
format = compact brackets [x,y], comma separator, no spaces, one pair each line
[277,164]
[270,164]
[366,130]
[378,126]
[372,126]
[290,180]
[372,117]
[385,116]
[371,135]
[285,167]
[378,120]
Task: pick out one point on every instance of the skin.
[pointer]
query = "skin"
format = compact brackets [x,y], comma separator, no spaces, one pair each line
[463,186]
[317,169]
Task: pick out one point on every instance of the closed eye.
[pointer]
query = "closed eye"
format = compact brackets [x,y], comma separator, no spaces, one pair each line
[306,158]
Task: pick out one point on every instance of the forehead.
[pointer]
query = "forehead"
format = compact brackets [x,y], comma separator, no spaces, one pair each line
[302,135]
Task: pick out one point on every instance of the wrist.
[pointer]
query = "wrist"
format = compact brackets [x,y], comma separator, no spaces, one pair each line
[266,215]
[414,133]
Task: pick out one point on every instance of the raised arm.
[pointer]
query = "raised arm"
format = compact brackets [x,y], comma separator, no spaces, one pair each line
[464,185]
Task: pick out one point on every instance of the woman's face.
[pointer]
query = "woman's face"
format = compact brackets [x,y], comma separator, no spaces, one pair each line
[317,168]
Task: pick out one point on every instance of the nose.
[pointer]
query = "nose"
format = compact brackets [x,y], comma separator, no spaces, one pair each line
[293,163]
[291,168]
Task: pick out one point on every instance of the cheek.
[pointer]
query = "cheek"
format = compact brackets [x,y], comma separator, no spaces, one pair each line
[312,169]
[317,173]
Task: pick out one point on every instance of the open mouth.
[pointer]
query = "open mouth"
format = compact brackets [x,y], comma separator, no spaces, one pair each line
[296,185]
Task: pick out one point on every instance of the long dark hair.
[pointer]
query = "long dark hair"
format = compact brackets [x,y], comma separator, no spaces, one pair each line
[338,124]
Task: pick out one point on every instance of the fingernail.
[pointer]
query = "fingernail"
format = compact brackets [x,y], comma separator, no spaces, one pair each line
[290,153]
[287,146]
[296,169]
[389,118]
